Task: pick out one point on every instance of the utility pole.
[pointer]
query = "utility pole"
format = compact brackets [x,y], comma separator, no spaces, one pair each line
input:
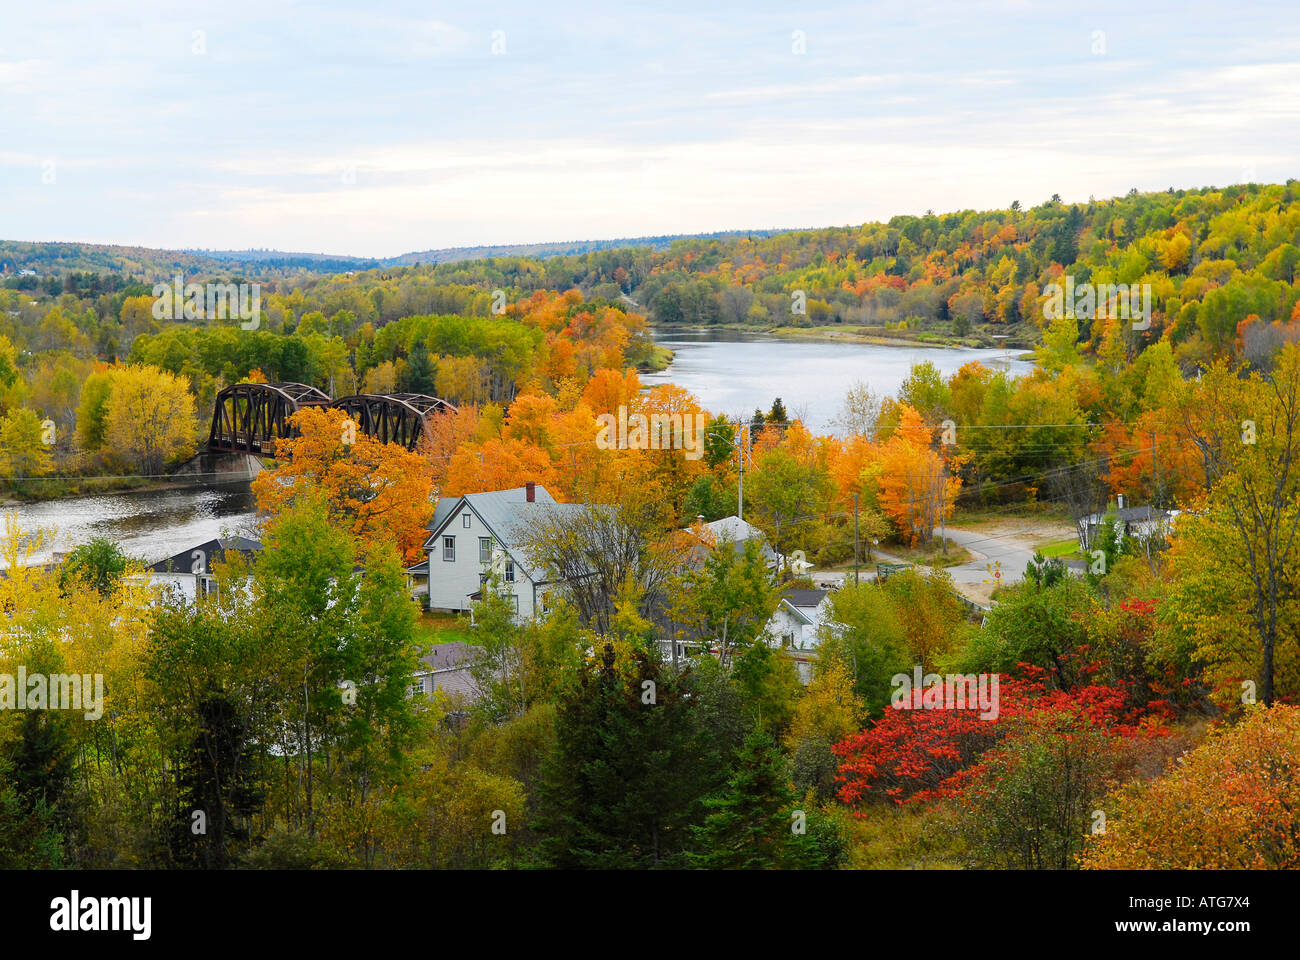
[1155,472]
[855,540]
[740,472]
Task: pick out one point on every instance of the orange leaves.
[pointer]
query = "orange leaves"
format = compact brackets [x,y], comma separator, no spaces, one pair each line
[498,465]
[915,489]
[382,491]
[1231,803]
[609,389]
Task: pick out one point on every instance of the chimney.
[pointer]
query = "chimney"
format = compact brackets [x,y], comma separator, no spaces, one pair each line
[699,517]
[530,491]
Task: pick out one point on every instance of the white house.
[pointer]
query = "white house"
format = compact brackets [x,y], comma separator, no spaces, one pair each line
[469,536]
[795,624]
[188,574]
[733,530]
[1140,523]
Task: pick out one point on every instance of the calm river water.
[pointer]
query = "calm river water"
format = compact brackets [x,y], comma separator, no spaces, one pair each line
[150,526]
[731,373]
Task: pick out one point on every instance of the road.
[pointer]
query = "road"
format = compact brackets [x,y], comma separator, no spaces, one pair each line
[1007,554]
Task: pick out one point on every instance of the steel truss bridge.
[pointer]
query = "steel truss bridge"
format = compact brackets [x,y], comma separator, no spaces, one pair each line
[250,417]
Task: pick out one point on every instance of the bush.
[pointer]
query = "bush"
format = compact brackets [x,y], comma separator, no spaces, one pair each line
[1232,803]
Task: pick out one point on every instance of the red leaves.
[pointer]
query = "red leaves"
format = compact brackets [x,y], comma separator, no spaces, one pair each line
[911,756]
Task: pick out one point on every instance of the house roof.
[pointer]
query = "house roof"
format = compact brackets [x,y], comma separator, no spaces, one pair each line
[1133,514]
[503,513]
[805,598]
[446,656]
[800,614]
[213,550]
[448,664]
[736,532]
[735,529]
[458,683]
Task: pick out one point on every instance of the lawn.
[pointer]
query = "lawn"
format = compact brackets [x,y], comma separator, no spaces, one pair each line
[1069,547]
[930,554]
[431,628]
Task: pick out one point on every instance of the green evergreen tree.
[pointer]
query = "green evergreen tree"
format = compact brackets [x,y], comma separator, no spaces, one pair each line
[749,821]
[626,778]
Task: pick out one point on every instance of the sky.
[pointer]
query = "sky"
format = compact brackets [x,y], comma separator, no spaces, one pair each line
[373,129]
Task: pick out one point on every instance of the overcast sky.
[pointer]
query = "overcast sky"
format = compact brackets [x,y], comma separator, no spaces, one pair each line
[378,128]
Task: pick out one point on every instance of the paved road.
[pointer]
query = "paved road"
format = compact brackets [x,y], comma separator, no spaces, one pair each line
[1008,554]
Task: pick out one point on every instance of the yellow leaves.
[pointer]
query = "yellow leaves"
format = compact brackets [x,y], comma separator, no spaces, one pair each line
[148,418]
[828,708]
[1231,803]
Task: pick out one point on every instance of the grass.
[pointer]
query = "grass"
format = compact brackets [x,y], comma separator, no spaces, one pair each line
[973,516]
[1060,548]
[931,554]
[433,628]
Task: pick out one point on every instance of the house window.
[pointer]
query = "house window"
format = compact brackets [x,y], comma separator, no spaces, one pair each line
[465,521]
[449,548]
[417,687]
[484,549]
[510,574]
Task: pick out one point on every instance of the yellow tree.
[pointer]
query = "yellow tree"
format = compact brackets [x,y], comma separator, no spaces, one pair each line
[23,448]
[1248,529]
[148,418]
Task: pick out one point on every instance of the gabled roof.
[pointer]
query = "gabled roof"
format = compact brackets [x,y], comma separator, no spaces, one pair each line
[797,612]
[213,550]
[805,598]
[448,656]
[735,531]
[503,514]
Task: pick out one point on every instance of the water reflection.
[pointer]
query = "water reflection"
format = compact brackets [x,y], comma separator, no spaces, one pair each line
[733,373]
[150,525]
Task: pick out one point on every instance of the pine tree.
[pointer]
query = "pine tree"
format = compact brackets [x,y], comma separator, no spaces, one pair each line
[626,778]
[749,820]
[418,377]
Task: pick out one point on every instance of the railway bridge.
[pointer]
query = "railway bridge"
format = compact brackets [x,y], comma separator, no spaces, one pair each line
[250,417]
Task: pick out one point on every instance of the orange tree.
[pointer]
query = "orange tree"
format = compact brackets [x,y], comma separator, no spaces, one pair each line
[380,490]
[1232,803]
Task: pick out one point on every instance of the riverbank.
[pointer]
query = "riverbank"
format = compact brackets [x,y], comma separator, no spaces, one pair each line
[48,489]
[660,359]
[1018,337]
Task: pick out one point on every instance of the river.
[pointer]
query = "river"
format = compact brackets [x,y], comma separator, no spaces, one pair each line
[733,372]
[730,372]
[149,525]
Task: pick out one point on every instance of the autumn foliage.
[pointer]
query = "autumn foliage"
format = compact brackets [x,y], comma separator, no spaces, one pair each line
[919,755]
[1232,803]
[381,491]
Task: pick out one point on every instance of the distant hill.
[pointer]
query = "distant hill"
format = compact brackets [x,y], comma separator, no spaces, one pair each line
[565,249]
[145,263]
